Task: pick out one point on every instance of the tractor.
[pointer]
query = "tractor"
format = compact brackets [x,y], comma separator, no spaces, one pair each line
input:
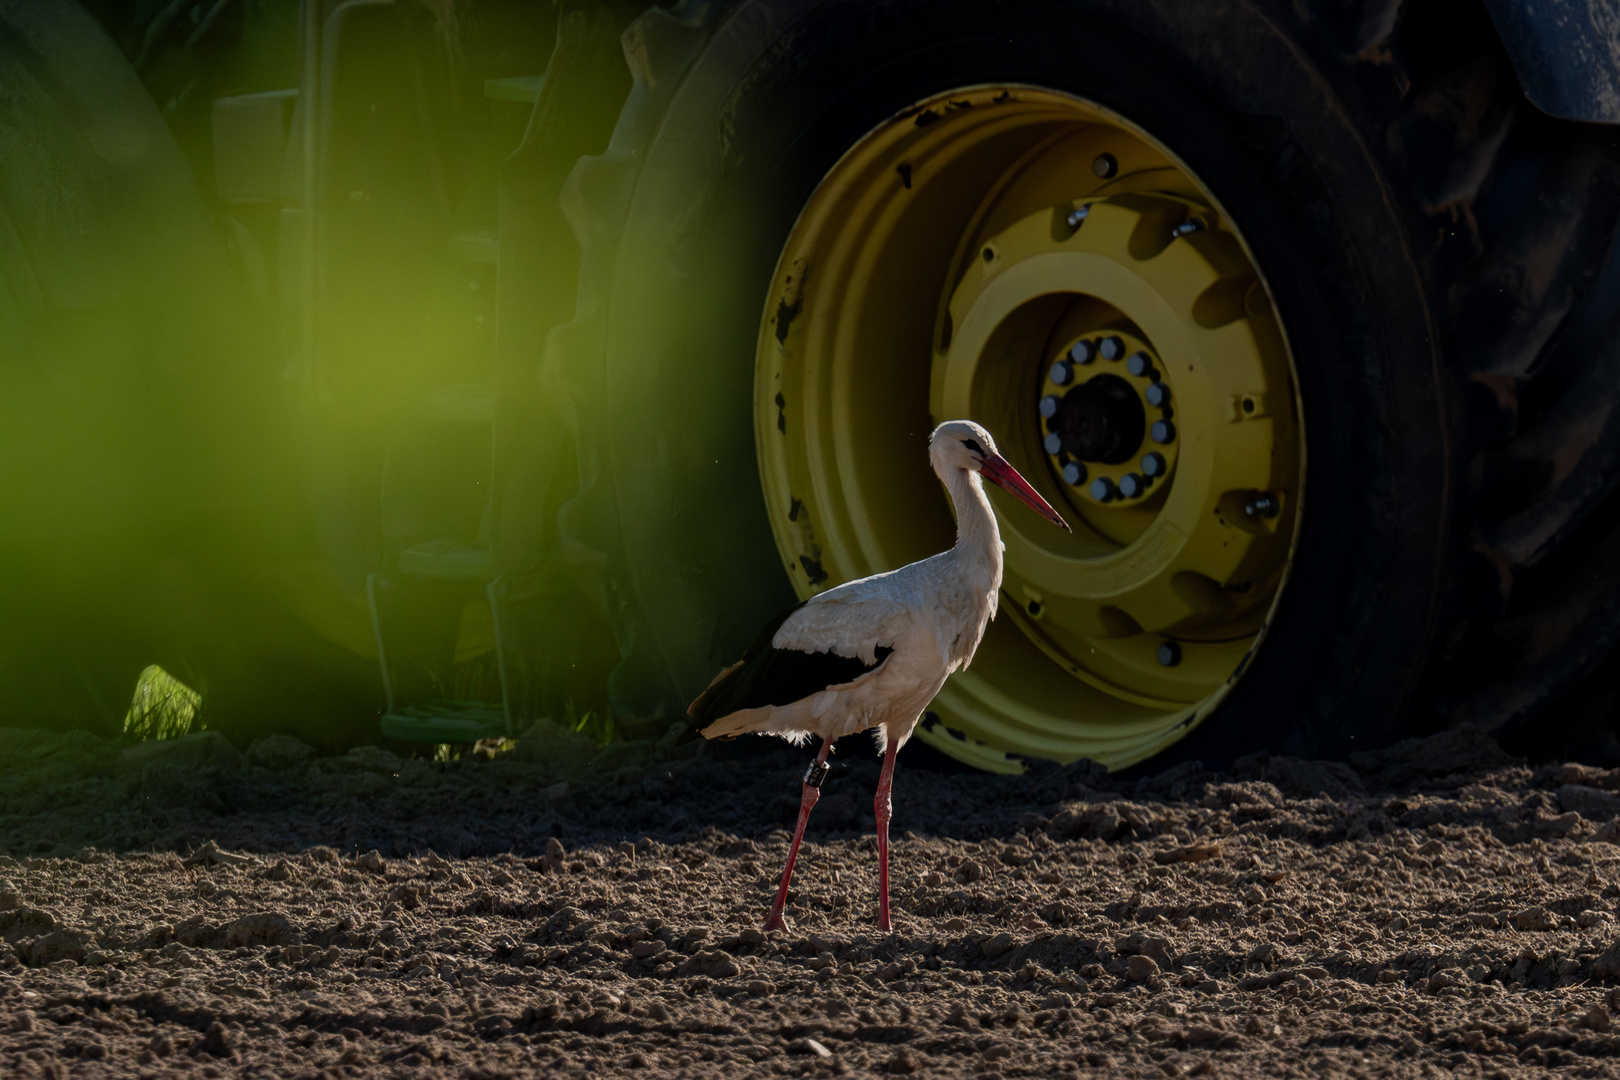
[419,369]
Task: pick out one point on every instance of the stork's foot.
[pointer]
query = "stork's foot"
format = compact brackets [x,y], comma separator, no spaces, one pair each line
[777,921]
[885,923]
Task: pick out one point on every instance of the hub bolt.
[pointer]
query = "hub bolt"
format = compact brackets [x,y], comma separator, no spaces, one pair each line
[1077,215]
[1102,489]
[1163,431]
[1131,485]
[1187,228]
[1265,506]
[1084,352]
[1111,348]
[1049,405]
[1062,372]
[1074,474]
[1169,653]
[1139,364]
[1053,442]
[1157,394]
[1153,465]
[1105,166]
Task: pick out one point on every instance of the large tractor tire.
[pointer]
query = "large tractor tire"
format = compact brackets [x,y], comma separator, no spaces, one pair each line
[1300,312]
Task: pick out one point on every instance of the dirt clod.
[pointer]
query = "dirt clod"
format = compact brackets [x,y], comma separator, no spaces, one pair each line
[995,947]
[1188,853]
[260,928]
[1533,918]
[217,1041]
[210,854]
[1140,968]
[280,752]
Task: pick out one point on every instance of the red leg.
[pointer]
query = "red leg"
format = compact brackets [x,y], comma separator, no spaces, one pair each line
[807,800]
[880,809]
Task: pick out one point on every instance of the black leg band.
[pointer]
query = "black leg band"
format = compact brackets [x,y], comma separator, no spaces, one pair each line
[816,774]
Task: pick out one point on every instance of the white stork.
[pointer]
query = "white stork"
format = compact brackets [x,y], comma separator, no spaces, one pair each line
[873,653]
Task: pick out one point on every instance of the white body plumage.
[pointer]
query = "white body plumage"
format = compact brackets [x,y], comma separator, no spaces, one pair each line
[932,614]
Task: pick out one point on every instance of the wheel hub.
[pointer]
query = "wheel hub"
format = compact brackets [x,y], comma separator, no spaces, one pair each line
[1100,420]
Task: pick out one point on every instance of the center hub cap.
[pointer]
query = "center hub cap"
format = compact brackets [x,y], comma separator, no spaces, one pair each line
[1101,420]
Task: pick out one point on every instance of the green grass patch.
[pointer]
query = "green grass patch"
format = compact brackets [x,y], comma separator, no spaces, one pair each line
[163,708]
[595,726]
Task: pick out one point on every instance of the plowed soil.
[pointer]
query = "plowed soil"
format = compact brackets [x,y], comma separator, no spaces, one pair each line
[185,908]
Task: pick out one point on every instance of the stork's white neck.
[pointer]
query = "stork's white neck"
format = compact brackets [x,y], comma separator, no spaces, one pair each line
[978,540]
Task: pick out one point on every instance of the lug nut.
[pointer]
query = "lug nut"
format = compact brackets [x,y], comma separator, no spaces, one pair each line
[1169,653]
[1131,485]
[1265,506]
[1186,228]
[1105,166]
[1111,348]
[1102,489]
[1077,215]
[1074,474]
[1157,394]
[1139,364]
[1084,352]
[1163,431]
[1053,442]
[1153,465]
[1061,372]
[1049,405]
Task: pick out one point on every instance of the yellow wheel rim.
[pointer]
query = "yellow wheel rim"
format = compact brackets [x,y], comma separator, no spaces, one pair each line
[1038,264]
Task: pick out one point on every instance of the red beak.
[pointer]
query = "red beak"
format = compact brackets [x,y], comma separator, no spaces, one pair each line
[996,470]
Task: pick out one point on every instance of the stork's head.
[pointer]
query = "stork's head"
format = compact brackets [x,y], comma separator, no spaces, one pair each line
[964,445]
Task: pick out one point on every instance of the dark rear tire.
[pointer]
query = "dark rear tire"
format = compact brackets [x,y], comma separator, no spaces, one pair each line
[1391,184]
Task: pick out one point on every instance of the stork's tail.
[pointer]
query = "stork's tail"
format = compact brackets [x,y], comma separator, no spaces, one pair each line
[789,722]
[740,722]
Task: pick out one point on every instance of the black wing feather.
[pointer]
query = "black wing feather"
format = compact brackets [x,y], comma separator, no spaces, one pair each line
[772,676]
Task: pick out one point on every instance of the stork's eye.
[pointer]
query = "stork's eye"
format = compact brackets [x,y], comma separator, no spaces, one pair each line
[973,445]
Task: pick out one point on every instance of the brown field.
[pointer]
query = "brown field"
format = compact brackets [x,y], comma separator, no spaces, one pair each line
[184,909]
